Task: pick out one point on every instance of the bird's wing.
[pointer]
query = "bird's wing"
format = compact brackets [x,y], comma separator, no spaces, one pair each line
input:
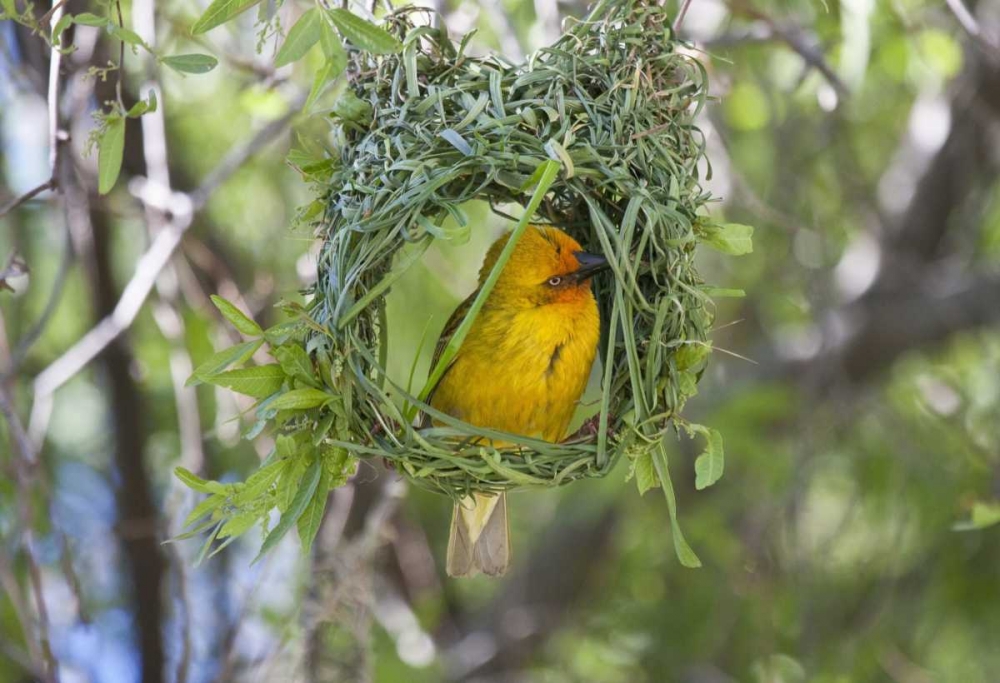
[449,329]
[446,334]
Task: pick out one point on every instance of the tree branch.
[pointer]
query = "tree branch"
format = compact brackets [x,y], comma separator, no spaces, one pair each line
[180,208]
[27,196]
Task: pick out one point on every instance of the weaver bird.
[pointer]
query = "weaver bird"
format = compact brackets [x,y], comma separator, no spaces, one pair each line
[521,369]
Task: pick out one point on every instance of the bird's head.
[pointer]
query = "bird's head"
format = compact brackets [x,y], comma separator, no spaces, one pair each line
[547,266]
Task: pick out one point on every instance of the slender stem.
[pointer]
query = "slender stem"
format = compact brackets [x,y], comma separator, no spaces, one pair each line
[121,59]
[55,62]
[30,194]
[680,14]
[971,26]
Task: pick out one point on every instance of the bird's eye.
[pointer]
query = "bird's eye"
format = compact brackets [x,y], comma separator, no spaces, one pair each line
[555,281]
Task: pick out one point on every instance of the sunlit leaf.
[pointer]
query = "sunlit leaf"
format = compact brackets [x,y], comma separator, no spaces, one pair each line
[302,36]
[304,493]
[219,12]
[236,317]
[206,506]
[730,238]
[295,362]
[708,467]
[645,472]
[259,381]
[196,483]
[984,514]
[217,362]
[312,518]
[364,34]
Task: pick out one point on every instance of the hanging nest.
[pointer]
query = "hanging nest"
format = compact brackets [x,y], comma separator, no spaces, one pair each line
[609,108]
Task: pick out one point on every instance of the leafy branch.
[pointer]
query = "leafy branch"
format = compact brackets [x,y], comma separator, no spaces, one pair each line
[306,403]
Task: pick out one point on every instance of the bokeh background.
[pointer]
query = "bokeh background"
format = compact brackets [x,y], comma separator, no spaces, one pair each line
[855,534]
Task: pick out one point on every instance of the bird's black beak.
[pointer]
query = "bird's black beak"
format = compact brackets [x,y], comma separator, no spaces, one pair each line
[590,264]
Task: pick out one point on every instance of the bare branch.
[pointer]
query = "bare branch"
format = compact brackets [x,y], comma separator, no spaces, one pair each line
[681,13]
[55,63]
[971,26]
[27,196]
[23,466]
[30,337]
[181,209]
[795,37]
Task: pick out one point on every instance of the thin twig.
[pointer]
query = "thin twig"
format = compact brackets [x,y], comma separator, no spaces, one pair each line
[121,59]
[169,318]
[793,37]
[27,196]
[55,62]
[181,208]
[23,466]
[971,26]
[55,295]
[680,15]
[48,16]
[12,589]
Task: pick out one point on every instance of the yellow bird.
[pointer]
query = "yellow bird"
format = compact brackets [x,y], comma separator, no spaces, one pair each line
[521,369]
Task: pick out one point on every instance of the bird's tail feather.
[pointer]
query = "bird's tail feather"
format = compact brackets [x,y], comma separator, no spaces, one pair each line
[480,536]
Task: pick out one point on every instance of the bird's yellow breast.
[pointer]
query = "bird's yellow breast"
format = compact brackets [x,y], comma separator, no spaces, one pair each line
[523,370]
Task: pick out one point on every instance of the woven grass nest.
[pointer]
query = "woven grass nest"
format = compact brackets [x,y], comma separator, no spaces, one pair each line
[594,135]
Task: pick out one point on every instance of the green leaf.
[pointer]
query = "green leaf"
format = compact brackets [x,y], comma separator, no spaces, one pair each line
[645,472]
[196,483]
[363,34]
[350,107]
[322,77]
[322,428]
[311,519]
[236,317]
[219,12]
[110,148]
[128,36]
[984,514]
[722,292]
[307,487]
[300,399]
[684,552]
[88,19]
[204,507]
[691,354]
[191,63]
[259,482]
[708,467]
[302,36]
[61,25]
[238,525]
[206,546]
[333,48]
[285,446]
[280,333]
[295,362]
[216,363]
[143,106]
[259,381]
[730,238]
[457,141]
